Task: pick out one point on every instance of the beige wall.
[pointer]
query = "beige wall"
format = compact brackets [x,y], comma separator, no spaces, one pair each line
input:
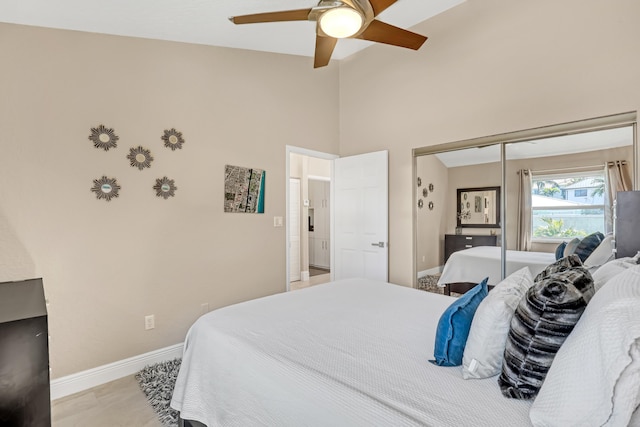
[431,224]
[489,67]
[107,265]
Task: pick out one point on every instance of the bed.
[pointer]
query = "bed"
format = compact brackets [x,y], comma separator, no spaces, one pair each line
[474,264]
[347,353]
[356,353]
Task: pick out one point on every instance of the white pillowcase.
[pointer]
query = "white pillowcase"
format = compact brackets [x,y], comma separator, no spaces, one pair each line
[484,351]
[602,254]
[610,270]
[594,378]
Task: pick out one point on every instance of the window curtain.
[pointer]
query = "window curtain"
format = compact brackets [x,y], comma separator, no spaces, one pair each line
[524,211]
[618,178]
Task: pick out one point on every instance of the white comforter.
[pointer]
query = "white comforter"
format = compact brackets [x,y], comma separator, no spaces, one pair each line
[474,264]
[347,353]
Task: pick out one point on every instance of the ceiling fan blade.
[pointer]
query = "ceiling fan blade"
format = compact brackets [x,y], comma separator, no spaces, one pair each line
[381,32]
[380,5]
[285,15]
[324,49]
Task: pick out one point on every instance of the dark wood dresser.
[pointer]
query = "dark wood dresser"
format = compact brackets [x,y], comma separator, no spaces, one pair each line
[458,242]
[627,223]
[24,355]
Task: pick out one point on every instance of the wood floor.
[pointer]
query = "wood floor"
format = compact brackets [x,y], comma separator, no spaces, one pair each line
[313,280]
[121,402]
[118,403]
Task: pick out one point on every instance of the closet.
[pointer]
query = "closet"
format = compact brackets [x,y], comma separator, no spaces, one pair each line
[319,223]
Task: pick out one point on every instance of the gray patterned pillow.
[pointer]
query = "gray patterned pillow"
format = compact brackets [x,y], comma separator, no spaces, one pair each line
[543,320]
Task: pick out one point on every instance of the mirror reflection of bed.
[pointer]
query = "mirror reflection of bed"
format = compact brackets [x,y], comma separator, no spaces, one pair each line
[570,182]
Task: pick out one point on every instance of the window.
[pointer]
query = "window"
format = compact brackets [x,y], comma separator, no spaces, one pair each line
[567,205]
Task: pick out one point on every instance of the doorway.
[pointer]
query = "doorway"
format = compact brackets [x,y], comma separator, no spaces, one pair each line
[309,220]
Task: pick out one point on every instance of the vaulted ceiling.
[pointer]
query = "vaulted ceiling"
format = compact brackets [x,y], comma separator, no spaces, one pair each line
[204,22]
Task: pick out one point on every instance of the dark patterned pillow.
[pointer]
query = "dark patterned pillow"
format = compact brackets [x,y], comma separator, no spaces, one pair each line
[588,245]
[560,250]
[543,320]
[567,263]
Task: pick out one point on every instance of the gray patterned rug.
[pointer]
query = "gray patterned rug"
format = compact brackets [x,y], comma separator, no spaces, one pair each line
[430,284]
[157,382]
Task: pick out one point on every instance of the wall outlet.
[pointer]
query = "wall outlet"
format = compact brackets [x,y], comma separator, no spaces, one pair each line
[149,322]
[204,308]
[423,258]
[277,221]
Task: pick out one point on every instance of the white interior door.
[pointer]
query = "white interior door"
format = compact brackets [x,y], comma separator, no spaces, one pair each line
[360,216]
[294,229]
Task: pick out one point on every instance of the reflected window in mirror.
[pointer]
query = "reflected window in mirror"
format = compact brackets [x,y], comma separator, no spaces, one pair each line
[570,182]
[567,205]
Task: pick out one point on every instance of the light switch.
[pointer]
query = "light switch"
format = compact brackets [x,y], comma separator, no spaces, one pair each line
[277,221]
[305,203]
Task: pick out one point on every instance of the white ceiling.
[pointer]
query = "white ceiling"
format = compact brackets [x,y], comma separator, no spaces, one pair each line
[556,146]
[204,22]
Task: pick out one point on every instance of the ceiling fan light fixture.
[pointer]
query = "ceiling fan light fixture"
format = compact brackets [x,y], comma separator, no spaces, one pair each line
[341,22]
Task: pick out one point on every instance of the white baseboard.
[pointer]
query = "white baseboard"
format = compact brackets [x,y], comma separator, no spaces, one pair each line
[304,276]
[80,381]
[434,270]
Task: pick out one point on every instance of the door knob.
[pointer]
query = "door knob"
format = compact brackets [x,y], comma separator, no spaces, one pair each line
[379,244]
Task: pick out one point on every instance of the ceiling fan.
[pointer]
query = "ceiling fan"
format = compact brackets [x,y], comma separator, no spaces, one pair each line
[337,19]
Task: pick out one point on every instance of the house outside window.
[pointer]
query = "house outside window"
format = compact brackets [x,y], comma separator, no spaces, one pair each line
[567,205]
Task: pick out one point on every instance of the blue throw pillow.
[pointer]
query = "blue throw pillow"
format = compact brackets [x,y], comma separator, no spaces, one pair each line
[560,250]
[454,325]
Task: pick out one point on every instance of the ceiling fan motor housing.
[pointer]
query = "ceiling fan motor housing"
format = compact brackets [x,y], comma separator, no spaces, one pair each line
[363,7]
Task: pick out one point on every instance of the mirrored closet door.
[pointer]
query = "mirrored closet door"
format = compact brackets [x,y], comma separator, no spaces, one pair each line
[503,202]
[457,207]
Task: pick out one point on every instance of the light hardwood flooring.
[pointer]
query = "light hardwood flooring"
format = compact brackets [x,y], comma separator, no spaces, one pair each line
[118,403]
[313,280]
[121,402]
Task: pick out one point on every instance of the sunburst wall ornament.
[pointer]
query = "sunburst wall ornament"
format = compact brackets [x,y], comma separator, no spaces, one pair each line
[104,138]
[140,157]
[173,139]
[165,187]
[105,188]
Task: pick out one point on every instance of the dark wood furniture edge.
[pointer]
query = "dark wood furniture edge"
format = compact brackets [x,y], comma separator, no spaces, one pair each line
[460,287]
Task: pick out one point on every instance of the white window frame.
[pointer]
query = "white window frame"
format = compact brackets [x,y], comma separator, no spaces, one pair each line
[558,175]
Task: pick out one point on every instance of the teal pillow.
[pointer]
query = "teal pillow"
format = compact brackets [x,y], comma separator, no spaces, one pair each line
[560,250]
[454,325]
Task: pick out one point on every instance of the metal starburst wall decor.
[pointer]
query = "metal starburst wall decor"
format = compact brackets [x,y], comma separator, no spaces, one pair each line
[140,157]
[105,188]
[173,139]
[165,187]
[103,137]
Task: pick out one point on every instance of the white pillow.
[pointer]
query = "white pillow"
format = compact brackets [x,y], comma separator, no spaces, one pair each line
[594,378]
[602,254]
[484,350]
[571,247]
[605,273]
